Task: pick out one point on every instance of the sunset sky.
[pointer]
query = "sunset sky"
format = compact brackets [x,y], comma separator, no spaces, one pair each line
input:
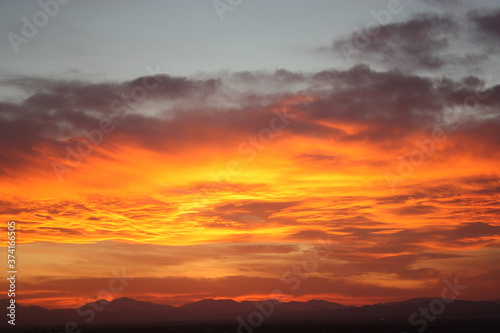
[209,154]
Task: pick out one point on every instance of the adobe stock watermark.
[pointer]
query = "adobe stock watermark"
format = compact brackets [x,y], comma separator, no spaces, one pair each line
[426,148]
[115,285]
[293,277]
[11,272]
[223,6]
[31,27]
[361,38]
[107,125]
[253,144]
[249,149]
[436,307]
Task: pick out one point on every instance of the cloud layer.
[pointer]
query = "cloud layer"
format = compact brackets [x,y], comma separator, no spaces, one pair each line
[218,185]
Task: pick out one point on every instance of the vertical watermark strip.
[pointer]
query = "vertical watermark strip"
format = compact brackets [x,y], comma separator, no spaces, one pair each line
[11,272]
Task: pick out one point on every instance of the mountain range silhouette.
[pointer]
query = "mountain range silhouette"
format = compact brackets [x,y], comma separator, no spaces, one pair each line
[130,311]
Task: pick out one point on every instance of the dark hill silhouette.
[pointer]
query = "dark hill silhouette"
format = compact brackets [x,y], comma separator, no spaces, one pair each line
[213,306]
[312,305]
[127,311]
[129,304]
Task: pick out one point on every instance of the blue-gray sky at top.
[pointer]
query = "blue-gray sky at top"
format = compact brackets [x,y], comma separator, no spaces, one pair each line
[116,40]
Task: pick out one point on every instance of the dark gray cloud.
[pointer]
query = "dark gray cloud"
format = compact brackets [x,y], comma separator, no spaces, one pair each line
[418,43]
[487,22]
[427,41]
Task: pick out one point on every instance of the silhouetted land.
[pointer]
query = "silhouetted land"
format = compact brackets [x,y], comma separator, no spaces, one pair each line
[227,316]
[440,326]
